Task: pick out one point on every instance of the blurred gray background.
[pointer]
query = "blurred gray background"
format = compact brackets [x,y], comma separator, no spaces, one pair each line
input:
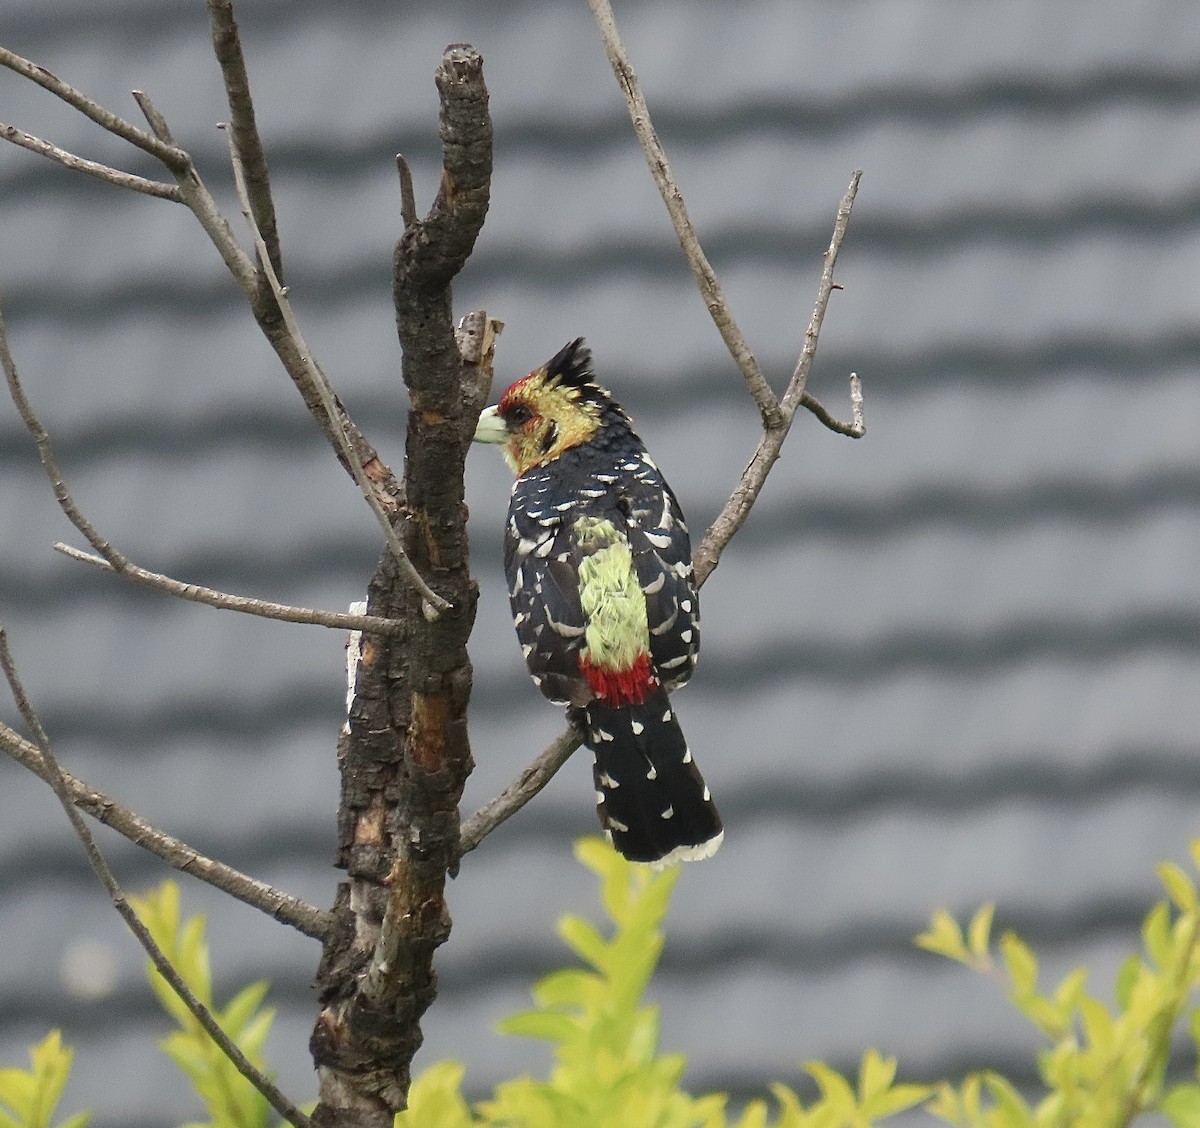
[955,661]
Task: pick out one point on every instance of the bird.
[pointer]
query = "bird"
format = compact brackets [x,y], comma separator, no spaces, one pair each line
[604,600]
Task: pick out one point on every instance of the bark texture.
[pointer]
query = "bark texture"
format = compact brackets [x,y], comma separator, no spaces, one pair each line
[405,756]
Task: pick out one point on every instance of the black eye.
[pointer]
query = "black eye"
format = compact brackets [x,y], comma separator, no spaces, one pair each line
[518,414]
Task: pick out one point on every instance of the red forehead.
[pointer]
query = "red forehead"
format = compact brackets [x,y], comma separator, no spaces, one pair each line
[516,391]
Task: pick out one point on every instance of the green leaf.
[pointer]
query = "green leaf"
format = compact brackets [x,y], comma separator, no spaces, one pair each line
[1181,1106]
[1178,885]
[240,1009]
[1020,963]
[568,987]
[835,1089]
[546,1026]
[1009,1102]
[754,1115]
[948,1105]
[979,933]
[1127,975]
[585,941]
[1098,1025]
[944,937]
[1156,934]
[254,1035]
[877,1097]
[230,1099]
[875,1075]
[435,1099]
[897,1099]
[32,1095]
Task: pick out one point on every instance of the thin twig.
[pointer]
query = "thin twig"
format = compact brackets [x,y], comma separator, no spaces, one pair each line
[408,195]
[519,792]
[113,560]
[176,853]
[799,381]
[741,501]
[108,879]
[283,612]
[45,449]
[227,46]
[92,168]
[857,426]
[660,170]
[435,603]
[199,200]
[174,158]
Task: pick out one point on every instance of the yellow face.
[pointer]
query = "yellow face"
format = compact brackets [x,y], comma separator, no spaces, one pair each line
[537,419]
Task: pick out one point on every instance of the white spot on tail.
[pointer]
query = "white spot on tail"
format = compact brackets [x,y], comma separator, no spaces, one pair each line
[668,813]
[686,635]
[667,716]
[652,773]
[638,727]
[687,756]
[607,781]
[616,824]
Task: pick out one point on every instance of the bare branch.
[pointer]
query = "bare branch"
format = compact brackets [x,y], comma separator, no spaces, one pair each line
[196,593]
[174,158]
[660,170]
[91,168]
[257,894]
[519,792]
[46,455]
[227,46]
[435,603]
[253,283]
[408,195]
[197,197]
[799,381]
[742,500]
[108,879]
[116,561]
[857,426]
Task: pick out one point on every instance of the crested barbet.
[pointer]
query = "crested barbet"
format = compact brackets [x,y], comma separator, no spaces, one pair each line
[604,600]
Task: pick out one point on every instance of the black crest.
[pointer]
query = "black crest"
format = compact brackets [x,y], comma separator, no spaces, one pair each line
[572,366]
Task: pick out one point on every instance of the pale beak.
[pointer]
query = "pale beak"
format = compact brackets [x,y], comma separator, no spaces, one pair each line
[491,427]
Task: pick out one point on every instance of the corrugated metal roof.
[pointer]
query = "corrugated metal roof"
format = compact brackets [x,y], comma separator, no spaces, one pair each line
[952,662]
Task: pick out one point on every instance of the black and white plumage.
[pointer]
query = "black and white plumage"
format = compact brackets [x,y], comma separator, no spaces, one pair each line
[604,600]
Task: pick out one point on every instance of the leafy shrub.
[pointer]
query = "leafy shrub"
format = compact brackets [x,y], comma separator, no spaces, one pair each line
[1103,1065]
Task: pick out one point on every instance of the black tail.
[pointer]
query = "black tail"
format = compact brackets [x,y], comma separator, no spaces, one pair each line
[650,796]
